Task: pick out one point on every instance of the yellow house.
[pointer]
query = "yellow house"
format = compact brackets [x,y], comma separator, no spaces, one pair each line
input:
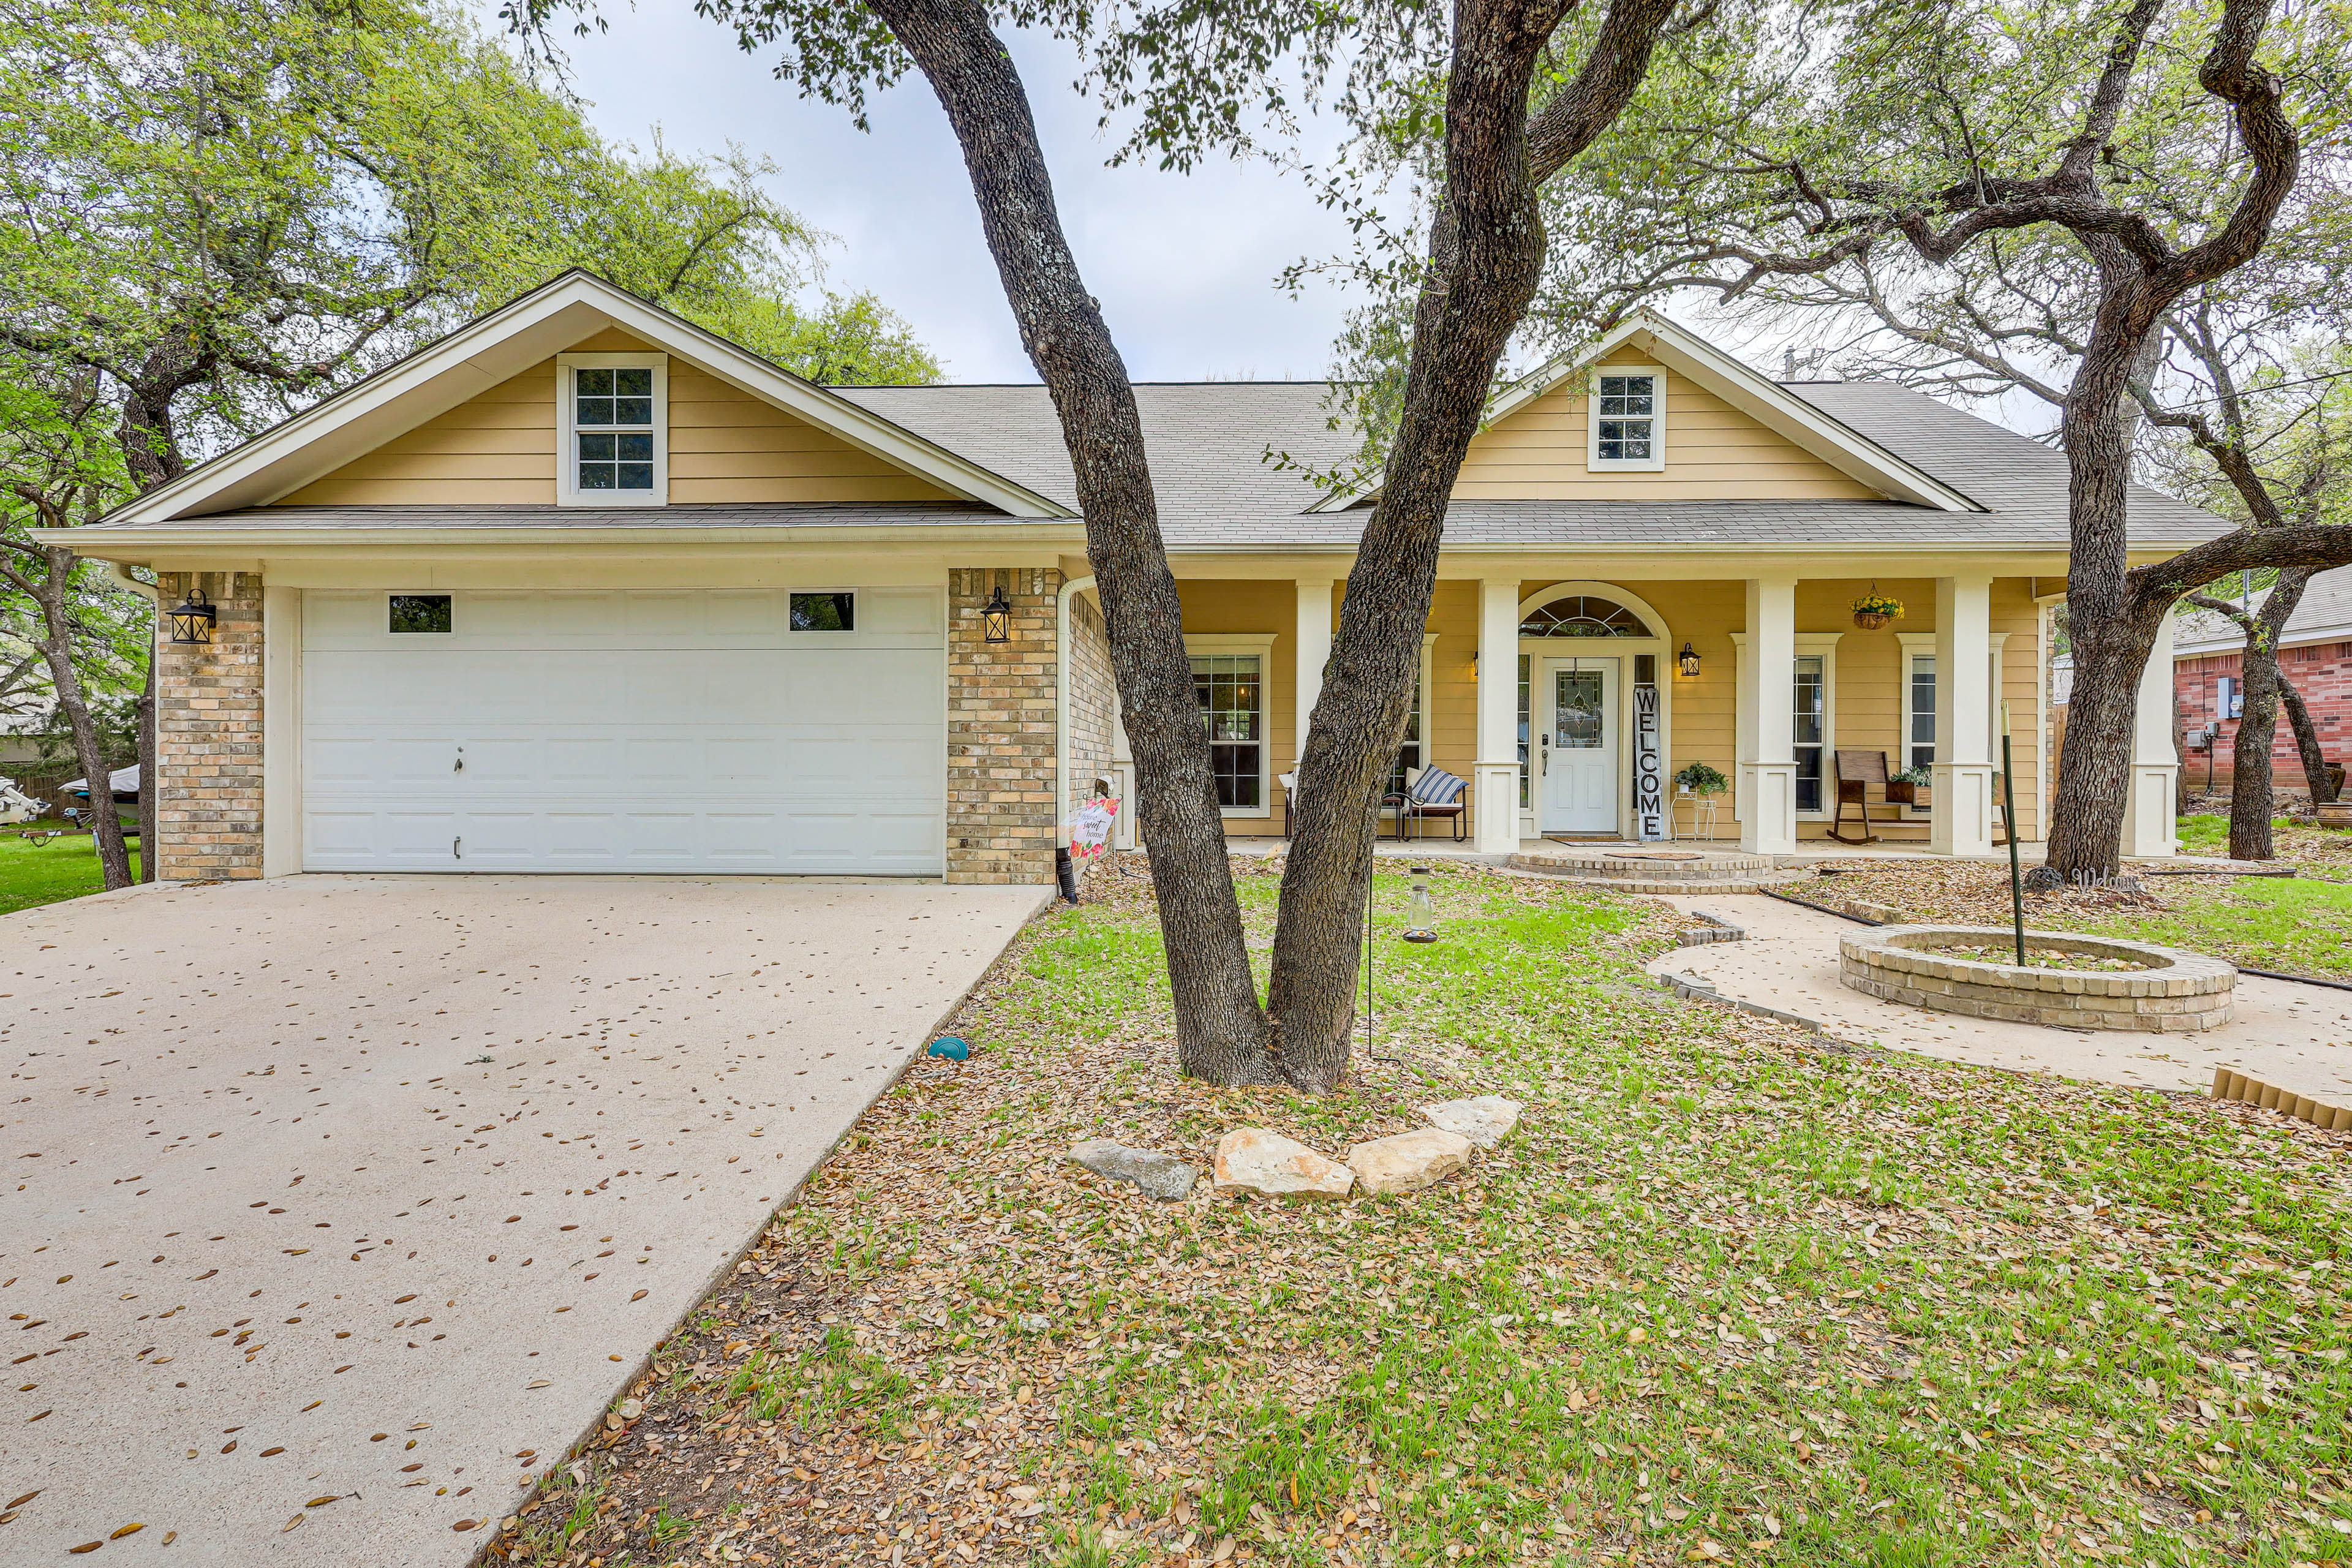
[581,587]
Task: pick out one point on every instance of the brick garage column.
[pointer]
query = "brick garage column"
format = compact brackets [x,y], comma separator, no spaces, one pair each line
[208,735]
[1002,747]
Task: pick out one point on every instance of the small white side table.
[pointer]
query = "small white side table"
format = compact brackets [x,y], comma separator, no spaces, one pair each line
[1702,815]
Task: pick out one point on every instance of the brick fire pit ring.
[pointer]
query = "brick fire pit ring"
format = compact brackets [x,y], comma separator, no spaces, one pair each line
[2172,992]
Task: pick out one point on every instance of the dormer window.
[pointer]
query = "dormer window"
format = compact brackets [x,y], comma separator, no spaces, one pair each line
[1628,426]
[614,429]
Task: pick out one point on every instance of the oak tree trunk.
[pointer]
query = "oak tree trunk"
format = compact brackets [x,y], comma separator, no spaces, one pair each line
[1486,258]
[51,589]
[2307,743]
[1221,1030]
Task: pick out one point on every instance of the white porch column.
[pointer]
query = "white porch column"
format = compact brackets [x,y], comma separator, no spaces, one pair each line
[1963,770]
[2149,825]
[1768,762]
[1496,798]
[1314,651]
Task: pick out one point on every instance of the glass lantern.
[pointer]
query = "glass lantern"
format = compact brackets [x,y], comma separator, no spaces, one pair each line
[1421,917]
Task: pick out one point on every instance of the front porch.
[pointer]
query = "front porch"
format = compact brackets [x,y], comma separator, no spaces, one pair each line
[1619,683]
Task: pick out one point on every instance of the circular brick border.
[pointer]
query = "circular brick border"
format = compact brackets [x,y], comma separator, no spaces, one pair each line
[2177,992]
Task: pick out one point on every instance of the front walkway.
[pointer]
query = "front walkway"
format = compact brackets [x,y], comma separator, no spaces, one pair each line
[342,1204]
[2286,1034]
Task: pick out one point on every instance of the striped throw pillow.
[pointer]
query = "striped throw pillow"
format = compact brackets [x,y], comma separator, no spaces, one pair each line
[1437,787]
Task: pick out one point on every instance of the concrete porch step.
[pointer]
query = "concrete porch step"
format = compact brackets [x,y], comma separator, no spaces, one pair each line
[1659,870]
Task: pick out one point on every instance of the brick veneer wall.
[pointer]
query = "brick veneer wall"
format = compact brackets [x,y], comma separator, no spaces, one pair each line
[1092,697]
[2322,672]
[208,735]
[1002,762]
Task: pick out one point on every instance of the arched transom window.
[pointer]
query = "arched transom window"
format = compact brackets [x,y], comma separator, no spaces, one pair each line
[1582,616]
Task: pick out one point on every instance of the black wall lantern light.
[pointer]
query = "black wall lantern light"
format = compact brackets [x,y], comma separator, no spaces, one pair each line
[193,621]
[996,619]
[1690,662]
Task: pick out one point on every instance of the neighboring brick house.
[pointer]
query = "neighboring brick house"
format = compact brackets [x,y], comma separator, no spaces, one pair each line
[581,587]
[2314,655]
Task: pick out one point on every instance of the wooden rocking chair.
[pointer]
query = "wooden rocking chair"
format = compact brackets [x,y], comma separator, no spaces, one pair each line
[1856,772]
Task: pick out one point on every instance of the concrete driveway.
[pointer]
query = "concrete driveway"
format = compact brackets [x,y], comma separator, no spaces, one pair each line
[336,1207]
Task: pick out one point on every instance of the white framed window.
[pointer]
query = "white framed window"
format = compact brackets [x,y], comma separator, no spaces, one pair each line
[613,425]
[1921,699]
[823,609]
[1626,429]
[1418,747]
[1229,679]
[1812,715]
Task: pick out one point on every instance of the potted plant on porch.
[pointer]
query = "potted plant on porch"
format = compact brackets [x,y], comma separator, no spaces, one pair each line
[1909,787]
[1701,780]
[1874,610]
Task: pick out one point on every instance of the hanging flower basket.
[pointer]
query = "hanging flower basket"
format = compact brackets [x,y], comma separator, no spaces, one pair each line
[1874,610]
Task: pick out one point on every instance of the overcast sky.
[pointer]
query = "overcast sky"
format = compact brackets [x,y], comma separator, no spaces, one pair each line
[1184,264]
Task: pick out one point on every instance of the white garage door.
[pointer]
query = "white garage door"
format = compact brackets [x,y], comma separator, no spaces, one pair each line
[687,730]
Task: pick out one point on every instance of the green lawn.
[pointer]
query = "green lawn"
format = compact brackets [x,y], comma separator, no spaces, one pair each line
[66,868]
[2288,923]
[1728,1295]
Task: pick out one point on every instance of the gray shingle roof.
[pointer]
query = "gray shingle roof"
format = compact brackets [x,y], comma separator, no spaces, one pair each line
[1208,442]
[2325,614]
[2013,477]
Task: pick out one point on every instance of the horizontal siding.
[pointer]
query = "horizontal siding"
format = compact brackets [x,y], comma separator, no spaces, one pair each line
[725,445]
[1714,452]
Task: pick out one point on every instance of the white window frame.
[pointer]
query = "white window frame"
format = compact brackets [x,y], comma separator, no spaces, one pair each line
[1911,645]
[1260,643]
[392,593]
[1826,645]
[792,631]
[1420,701]
[567,449]
[1656,460]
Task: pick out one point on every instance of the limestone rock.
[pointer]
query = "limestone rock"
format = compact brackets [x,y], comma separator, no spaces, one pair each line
[1409,1161]
[1485,1120]
[1264,1162]
[1158,1175]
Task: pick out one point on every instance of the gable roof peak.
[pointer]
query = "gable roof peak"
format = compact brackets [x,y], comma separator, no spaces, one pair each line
[1754,393]
[504,342]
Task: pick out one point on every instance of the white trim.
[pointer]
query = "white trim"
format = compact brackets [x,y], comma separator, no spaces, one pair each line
[509,340]
[1260,643]
[1826,645]
[1770,405]
[1612,591]
[567,432]
[1656,461]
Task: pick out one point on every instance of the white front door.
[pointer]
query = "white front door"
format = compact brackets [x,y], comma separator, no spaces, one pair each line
[1579,745]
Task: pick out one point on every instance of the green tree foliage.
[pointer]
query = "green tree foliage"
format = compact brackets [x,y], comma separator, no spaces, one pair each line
[228,207]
